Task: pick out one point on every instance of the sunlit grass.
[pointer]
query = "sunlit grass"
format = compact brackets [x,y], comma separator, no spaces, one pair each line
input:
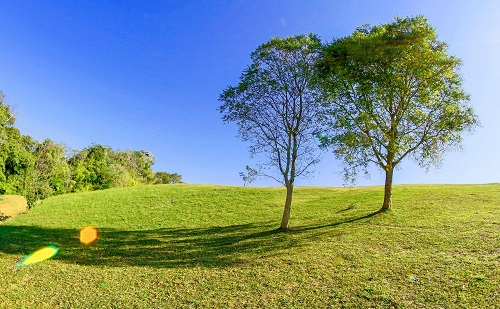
[11,205]
[191,246]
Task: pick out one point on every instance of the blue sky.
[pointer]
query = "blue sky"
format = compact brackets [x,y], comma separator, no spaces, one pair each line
[147,75]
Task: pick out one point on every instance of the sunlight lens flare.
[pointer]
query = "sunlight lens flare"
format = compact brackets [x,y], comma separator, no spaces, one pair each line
[88,235]
[38,256]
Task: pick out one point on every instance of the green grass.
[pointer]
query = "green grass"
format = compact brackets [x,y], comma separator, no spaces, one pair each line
[201,246]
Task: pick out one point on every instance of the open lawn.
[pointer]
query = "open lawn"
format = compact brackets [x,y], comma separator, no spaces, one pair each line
[204,246]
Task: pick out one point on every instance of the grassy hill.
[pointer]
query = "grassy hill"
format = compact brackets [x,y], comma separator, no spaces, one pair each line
[202,246]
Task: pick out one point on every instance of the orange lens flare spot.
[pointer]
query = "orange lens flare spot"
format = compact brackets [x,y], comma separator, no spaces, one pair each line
[88,235]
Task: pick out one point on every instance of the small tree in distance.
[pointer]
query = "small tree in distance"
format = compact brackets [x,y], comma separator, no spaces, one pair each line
[394,92]
[274,106]
[250,176]
[166,178]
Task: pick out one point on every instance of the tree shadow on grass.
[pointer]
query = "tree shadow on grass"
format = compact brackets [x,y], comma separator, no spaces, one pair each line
[164,247]
[214,246]
[334,224]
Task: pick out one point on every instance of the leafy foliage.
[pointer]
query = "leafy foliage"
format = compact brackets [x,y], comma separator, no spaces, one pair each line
[39,170]
[250,175]
[274,106]
[6,118]
[394,92]
[48,175]
[166,178]
[275,103]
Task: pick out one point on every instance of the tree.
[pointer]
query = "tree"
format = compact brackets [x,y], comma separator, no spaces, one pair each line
[6,122]
[48,175]
[250,176]
[131,168]
[141,163]
[7,118]
[92,169]
[274,106]
[394,91]
[176,178]
[166,178]
[15,152]
[16,157]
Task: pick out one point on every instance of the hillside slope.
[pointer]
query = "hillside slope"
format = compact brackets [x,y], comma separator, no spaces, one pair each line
[202,246]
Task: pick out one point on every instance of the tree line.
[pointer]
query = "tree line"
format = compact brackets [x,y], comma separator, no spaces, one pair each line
[376,97]
[38,170]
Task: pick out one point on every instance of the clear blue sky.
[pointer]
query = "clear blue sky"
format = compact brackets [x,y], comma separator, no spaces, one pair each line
[147,75]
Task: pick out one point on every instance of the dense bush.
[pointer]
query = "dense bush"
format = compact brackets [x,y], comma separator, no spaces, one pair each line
[39,170]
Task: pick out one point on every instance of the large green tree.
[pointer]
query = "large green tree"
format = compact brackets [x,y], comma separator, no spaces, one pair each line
[274,106]
[16,152]
[394,92]
[91,168]
[100,167]
[48,175]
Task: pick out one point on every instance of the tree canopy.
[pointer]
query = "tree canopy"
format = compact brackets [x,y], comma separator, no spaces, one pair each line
[39,170]
[393,92]
[274,106]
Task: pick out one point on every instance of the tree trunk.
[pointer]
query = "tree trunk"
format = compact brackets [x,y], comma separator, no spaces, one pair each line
[288,206]
[388,190]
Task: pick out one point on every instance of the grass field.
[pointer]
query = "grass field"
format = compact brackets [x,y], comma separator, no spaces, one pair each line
[201,246]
